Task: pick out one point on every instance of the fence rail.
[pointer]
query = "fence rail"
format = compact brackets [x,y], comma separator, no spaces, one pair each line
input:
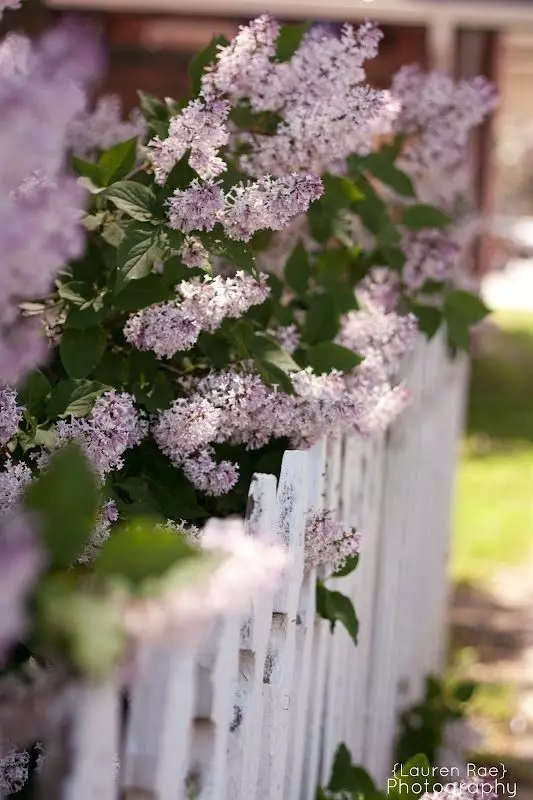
[257,709]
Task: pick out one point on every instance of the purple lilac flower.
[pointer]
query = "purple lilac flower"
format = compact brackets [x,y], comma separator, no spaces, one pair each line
[10,414]
[437,114]
[328,542]
[14,769]
[200,129]
[13,480]
[40,93]
[113,426]
[103,127]
[172,327]
[319,127]
[21,560]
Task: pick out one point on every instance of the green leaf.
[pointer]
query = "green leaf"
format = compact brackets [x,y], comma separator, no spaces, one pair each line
[216,348]
[424,216]
[136,254]
[138,551]
[83,318]
[462,310]
[385,171]
[322,319]
[407,784]
[346,777]
[133,198]
[465,690]
[268,352]
[336,607]
[217,243]
[152,107]
[350,566]
[74,398]
[65,498]
[84,629]
[325,356]
[87,169]
[202,60]
[81,350]
[470,307]
[297,270]
[118,161]
[143,292]
[289,40]
[35,389]
[429,318]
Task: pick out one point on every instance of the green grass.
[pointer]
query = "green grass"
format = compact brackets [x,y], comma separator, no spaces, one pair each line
[494,515]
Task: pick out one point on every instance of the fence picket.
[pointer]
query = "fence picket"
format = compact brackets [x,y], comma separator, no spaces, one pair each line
[95,738]
[256,709]
[279,690]
[245,732]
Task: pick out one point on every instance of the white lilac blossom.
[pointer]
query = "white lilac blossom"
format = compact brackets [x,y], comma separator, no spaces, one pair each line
[328,542]
[203,304]
[287,336]
[269,203]
[108,514]
[382,338]
[319,126]
[215,478]
[187,426]
[183,528]
[437,115]
[247,208]
[193,253]
[196,208]
[21,561]
[14,478]
[112,427]
[200,129]
[430,255]
[103,127]
[249,568]
[163,328]
[14,768]
[10,414]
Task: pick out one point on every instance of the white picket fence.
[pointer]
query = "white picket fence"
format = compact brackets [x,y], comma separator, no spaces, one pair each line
[259,708]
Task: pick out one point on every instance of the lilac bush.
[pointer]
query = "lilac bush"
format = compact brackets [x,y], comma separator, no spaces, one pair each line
[190,292]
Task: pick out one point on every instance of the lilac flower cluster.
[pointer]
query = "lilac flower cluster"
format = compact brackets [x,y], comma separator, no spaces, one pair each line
[382,338]
[14,477]
[10,414]
[200,129]
[172,327]
[328,542]
[266,204]
[238,407]
[437,114]
[320,125]
[14,769]
[108,515]
[40,94]
[112,427]
[21,561]
[103,127]
[430,255]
